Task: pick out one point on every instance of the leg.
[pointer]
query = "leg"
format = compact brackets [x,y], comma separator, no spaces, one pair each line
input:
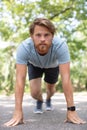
[36,93]
[51,77]
[50,89]
[35,75]
[35,88]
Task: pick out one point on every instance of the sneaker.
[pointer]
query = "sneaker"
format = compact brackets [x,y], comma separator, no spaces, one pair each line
[38,109]
[48,105]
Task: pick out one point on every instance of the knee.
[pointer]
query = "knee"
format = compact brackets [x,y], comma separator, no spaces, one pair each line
[35,94]
[51,89]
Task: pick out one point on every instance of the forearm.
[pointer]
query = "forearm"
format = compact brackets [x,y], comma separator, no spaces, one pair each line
[19,87]
[19,92]
[68,92]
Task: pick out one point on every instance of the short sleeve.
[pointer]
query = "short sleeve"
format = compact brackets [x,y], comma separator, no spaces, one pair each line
[21,55]
[63,53]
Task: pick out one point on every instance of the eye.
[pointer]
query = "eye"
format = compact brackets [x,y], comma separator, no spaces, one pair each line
[46,35]
[38,35]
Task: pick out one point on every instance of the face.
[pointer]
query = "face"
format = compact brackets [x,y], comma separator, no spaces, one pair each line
[42,38]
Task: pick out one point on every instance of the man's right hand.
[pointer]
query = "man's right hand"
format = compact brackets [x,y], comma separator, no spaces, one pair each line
[17,119]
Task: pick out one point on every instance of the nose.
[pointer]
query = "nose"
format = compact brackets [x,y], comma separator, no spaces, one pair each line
[42,38]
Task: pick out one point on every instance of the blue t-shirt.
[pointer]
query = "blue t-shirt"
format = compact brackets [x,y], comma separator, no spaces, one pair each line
[57,54]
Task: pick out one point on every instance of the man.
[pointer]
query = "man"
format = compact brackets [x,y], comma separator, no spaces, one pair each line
[43,54]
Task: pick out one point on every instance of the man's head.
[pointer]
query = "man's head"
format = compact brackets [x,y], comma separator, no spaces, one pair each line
[42,32]
[42,22]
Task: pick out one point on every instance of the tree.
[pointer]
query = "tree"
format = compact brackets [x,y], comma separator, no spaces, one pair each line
[68,16]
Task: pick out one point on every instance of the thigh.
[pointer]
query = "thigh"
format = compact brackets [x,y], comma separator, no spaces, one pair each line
[51,75]
[34,72]
[35,85]
[35,75]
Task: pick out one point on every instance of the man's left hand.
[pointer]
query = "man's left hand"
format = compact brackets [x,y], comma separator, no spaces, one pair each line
[74,118]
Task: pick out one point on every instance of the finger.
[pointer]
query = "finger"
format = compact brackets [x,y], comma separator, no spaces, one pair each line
[13,122]
[9,122]
[68,120]
[82,121]
[17,123]
[74,120]
[79,120]
[65,121]
[71,121]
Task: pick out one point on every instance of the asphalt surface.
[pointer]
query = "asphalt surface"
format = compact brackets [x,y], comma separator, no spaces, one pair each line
[49,120]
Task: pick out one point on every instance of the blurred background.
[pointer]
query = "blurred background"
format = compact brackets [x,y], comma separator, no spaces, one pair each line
[70,20]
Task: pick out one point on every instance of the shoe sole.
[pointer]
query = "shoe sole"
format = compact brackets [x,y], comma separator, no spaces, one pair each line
[38,112]
[49,109]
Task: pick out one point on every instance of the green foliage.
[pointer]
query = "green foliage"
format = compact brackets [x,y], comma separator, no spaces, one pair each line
[70,19]
[7,65]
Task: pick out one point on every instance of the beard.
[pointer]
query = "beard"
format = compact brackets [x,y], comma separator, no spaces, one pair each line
[42,48]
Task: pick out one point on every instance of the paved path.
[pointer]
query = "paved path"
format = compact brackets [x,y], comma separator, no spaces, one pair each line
[48,120]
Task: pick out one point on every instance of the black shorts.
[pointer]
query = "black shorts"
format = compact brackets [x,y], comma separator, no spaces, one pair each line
[50,74]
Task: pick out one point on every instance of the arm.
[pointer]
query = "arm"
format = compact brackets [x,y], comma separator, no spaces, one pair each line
[68,92]
[19,91]
[66,83]
[20,83]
